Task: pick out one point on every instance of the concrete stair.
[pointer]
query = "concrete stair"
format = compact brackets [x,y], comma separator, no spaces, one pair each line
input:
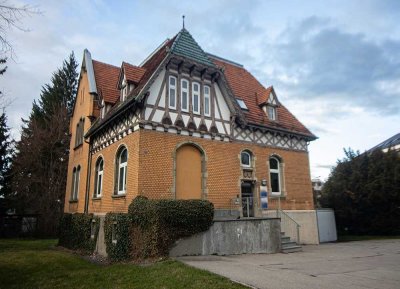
[289,246]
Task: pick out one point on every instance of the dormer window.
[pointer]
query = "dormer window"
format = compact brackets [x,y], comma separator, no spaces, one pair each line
[271,113]
[241,104]
[124,90]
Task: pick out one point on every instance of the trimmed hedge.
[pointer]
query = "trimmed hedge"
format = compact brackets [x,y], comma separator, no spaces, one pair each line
[118,249]
[158,224]
[75,232]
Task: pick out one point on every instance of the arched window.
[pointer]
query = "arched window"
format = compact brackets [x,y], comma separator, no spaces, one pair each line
[121,168]
[75,183]
[275,175]
[245,159]
[98,181]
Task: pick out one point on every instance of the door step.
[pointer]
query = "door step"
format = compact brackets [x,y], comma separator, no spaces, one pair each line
[289,246]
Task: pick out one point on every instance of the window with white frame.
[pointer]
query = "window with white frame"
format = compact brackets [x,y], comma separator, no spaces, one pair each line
[275,175]
[122,161]
[98,181]
[75,183]
[207,109]
[196,97]
[184,95]
[271,112]
[245,159]
[172,92]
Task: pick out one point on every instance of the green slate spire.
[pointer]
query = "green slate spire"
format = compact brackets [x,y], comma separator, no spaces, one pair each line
[185,45]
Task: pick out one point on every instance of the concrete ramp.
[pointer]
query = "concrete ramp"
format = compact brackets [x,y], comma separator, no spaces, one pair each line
[230,237]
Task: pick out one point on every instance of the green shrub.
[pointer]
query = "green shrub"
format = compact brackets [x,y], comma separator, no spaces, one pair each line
[116,230]
[158,224]
[75,232]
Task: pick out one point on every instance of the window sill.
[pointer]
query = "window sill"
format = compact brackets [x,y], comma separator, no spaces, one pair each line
[73,201]
[118,196]
[96,198]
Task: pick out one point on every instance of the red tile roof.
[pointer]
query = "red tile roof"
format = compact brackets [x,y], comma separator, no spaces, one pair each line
[133,73]
[246,87]
[263,98]
[106,76]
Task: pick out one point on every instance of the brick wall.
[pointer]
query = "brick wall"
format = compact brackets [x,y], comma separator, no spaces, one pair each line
[108,201]
[150,171]
[79,155]
[223,169]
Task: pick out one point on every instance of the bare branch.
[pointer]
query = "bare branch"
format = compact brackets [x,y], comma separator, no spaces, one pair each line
[11,18]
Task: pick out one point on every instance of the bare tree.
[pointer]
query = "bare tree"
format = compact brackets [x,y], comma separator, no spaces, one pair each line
[11,18]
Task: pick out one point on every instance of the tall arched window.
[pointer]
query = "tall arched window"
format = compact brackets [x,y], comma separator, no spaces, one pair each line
[245,159]
[275,175]
[196,97]
[75,183]
[98,181]
[121,168]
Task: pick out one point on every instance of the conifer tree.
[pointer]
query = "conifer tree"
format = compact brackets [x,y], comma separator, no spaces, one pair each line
[364,191]
[6,144]
[40,164]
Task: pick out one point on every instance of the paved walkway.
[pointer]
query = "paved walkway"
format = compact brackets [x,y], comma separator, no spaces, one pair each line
[364,264]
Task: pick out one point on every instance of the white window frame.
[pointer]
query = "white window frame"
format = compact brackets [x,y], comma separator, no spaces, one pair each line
[122,166]
[271,116]
[275,171]
[183,91]
[99,179]
[198,97]
[207,99]
[246,165]
[169,92]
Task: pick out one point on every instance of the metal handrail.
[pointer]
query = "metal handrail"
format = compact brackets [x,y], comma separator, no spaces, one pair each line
[290,219]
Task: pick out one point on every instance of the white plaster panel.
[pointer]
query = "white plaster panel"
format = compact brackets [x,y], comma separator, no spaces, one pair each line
[208,123]
[154,89]
[220,127]
[173,116]
[197,121]
[162,98]
[185,119]
[147,113]
[158,116]
[222,104]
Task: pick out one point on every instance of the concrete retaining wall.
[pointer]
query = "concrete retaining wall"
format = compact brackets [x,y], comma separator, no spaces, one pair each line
[229,237]
[307,219]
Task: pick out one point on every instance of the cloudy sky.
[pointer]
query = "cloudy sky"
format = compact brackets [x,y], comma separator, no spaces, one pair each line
[334,64]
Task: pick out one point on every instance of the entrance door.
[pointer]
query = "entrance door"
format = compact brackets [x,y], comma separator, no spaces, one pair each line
[188,173]
[247,199]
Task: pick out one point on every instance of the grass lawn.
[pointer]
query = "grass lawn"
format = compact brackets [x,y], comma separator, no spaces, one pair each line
[36,264]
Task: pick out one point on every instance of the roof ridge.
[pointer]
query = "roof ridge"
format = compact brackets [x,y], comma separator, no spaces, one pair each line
[101,62]
[224,59]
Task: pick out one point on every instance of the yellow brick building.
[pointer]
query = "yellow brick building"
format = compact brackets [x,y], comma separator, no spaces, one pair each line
[185,124]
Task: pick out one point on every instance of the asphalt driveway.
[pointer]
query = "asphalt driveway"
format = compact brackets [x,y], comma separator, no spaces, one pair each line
[363,264]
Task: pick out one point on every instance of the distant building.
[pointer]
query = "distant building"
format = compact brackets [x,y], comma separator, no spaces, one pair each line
[392,143]
[317,186]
